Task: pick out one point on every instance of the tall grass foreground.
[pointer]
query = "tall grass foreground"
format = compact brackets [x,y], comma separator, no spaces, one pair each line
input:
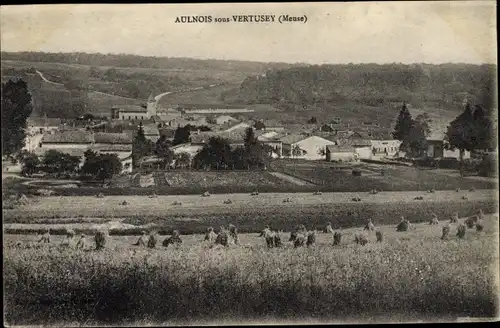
[411,278]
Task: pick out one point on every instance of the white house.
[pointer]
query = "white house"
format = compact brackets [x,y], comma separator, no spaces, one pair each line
[223,119]
[305,147]
[341,153]
[385,148]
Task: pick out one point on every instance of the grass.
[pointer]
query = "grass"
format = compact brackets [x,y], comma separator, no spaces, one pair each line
[410,276]
[395,178]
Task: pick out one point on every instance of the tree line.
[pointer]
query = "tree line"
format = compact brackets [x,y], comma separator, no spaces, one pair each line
[472,130]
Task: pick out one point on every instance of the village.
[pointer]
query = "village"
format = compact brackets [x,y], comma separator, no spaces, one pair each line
[332,141]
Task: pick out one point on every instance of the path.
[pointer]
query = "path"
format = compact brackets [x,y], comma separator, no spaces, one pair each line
[45,80]
[157,98]
[161,95]
[291,179]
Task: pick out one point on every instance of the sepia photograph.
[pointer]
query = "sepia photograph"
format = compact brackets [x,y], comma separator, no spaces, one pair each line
[249,163]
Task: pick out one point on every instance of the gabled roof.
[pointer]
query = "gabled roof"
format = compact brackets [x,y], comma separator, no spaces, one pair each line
[112,138]
[66,137]
[292,138]
[340,148]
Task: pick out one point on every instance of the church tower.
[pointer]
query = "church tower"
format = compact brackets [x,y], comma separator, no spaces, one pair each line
[151,106]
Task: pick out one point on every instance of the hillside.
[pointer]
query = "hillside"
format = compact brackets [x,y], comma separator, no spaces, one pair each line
[422,85]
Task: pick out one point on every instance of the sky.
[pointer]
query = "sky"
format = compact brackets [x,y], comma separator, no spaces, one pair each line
[336,33]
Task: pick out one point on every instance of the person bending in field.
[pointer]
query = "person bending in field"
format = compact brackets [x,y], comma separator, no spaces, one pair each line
[45,237]
[233,234]
[175,239]
[328,228]
[68,240]
[82,242]
[210,235]
[143,240]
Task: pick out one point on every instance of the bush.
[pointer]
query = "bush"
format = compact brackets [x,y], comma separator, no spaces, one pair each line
[356,173]
[449,163]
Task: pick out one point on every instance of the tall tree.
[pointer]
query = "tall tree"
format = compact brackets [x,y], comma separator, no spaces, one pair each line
[182,135]
[162,150]
[16,108]
[141,146]
[461,134]
[216,154]
[403,124]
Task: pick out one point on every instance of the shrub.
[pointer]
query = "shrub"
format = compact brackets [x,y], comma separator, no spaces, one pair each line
[356,173]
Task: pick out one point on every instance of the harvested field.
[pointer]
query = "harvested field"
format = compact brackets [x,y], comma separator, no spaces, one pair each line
[414,275]
[197,213]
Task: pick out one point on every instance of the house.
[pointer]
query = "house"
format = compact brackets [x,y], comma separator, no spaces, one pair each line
[236,126]
[134,112]
[77,142]
[341,153]
[436,149]
[362,147]
[38,125]
[113,143]
[191,149]
[302,146]
[385,147]
[74,143]
[151,132]
[223,119]
[169,133]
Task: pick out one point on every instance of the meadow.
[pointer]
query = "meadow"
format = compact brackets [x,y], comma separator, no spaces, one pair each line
[410,276]
[394,178]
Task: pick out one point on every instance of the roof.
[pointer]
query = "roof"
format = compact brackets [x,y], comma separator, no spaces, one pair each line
[130,108]
[378,135]
[234,125]
[340,148]
[112,138]
[225,117]
[113,148]
[151,130]
[168,133]
[40,121]
[66,137]
[203,137]
[292,138]
[355,142]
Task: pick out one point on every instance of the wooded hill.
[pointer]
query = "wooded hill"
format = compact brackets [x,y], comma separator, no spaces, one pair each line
[443,86]
[125,60]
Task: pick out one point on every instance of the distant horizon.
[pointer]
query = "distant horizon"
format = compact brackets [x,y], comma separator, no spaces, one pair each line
[243,60]
[410,32]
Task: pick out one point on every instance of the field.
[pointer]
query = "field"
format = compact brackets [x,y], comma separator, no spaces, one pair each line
[410,276]
[395,178]
[195,214]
